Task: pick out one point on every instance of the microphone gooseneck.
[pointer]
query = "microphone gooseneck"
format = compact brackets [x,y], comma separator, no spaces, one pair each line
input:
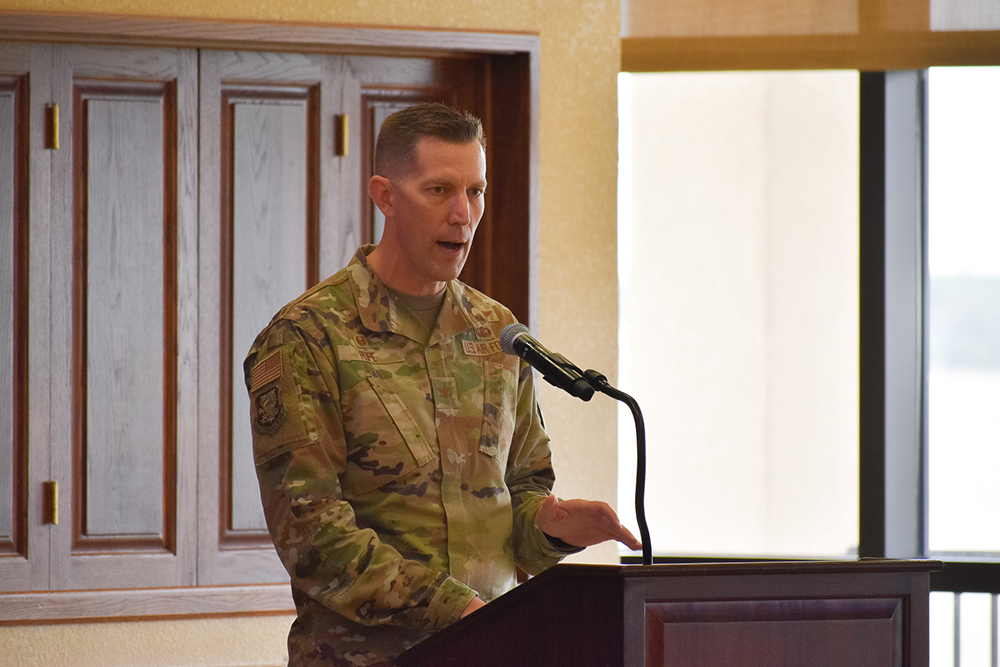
[516,339]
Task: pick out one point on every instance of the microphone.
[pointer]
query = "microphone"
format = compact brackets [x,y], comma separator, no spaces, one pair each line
[555,369]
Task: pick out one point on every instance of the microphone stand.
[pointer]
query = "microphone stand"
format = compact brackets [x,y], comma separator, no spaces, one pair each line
[601,384]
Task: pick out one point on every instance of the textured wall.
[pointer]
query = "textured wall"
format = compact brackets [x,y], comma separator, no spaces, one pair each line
[230,642]
[580,53]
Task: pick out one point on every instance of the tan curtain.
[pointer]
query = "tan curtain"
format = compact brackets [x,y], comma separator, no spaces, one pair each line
[665,35]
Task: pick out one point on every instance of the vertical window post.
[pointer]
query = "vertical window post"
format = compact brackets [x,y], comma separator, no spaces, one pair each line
[891,302]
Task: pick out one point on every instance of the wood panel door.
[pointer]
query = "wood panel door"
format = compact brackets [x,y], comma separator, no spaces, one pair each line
[24,325]
[274,218]
[124,289]
[284,204]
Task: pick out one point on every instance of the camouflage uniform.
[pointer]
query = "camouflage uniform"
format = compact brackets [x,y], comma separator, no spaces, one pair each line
[400,475]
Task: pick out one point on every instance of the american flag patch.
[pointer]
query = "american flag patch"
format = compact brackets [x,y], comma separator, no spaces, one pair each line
[267,370]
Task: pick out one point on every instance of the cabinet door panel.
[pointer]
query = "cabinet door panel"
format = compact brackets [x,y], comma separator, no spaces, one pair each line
[24,227]
[124,261]
[270,253]
[129,282]
[13,227]
[269,176]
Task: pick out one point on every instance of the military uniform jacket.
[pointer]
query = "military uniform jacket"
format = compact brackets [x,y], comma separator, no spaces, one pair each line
[400,475]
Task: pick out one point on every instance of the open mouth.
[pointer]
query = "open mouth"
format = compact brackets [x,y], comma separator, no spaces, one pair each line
[448,245]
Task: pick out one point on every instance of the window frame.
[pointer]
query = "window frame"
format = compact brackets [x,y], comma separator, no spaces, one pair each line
[892,334]
[893,430]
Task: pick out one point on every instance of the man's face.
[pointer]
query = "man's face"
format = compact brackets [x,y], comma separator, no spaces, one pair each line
[436,208]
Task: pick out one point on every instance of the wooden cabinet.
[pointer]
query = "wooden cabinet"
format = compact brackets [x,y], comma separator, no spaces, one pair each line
[193,193]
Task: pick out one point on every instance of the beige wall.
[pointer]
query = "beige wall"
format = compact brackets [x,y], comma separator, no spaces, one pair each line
[580,54]
[220,642]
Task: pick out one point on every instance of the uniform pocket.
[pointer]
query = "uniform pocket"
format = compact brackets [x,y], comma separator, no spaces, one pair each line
[499,404]
[384,441]
[401,416]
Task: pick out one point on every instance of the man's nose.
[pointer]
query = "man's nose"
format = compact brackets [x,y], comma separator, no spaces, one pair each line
[461,211]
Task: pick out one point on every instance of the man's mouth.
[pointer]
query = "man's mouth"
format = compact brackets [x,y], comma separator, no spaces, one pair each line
[451,246]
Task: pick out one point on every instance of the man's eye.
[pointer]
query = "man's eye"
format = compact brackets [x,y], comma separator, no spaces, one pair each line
[437,189]
[476,192]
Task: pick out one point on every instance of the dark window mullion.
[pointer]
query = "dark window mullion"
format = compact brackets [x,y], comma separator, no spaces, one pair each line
[891,350]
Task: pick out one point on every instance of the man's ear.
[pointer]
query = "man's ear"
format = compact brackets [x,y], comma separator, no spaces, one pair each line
[380,190]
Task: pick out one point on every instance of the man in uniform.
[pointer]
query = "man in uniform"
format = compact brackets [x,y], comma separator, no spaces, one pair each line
[403,466]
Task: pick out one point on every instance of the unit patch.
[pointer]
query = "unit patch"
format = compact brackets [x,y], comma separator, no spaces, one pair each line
[268,412]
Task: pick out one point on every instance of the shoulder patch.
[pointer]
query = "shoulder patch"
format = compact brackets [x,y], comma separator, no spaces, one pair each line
[268,412]
[265,371]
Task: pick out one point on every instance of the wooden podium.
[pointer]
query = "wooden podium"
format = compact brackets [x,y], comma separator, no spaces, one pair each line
[866,613]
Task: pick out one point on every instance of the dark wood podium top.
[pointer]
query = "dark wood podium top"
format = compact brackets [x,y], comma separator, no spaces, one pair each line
[617,615]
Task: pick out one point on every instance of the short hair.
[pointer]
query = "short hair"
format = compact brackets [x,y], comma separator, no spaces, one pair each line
[397,139]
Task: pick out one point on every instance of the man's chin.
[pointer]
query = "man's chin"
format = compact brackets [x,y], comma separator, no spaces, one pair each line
[450,275]
[451,270]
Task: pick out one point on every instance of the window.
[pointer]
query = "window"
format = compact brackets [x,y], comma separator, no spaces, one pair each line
[962,352]
[739,309]
[963,310]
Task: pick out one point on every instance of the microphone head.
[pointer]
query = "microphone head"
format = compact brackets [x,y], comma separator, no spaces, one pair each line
[509,333]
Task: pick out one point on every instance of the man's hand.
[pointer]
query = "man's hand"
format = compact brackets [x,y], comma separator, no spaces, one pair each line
[583,523]
[475,604]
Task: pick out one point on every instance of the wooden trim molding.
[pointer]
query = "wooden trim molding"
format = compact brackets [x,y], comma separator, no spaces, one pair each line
[298,37]
[164,539]
[16,87]
[145,604]
[308,96]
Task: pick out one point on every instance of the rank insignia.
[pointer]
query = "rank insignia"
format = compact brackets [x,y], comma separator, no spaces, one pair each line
[268,412]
